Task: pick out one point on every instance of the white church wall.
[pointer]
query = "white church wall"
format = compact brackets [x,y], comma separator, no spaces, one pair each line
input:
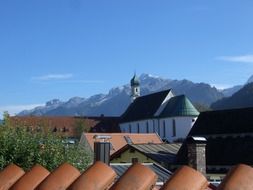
[163,127]
[181,129]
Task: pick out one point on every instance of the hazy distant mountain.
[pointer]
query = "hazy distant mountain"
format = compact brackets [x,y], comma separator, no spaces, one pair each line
[200,93]
[242,98]
[250,80]
[115,102]
[230,91]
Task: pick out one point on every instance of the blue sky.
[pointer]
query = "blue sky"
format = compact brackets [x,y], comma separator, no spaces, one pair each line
[64,48]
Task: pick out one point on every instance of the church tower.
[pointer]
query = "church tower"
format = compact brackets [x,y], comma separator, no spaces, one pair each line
[135,87]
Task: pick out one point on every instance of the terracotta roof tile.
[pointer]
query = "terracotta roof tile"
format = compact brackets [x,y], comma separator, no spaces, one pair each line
[9,176]
[64,126]
[60,179]
[31,179]
[118,140]
[98,176]
[240,177]
[137,177]
[186,178]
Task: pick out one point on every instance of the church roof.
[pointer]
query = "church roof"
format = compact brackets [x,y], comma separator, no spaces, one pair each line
[144,107]
[135,81]
[179,106]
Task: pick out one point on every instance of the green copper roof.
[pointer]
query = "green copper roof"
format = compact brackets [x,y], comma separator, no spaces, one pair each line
[179,106]
[135,81]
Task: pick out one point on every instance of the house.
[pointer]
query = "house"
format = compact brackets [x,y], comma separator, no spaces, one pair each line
[162,112]
[229,135]
[119,140]
[163,154]
[66,126]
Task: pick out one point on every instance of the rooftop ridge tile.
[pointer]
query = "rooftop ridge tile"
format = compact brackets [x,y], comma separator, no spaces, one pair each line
[9,175]
[240,177]
[61,178]
[186,178]
[137,177]
[31,179]
[97,176]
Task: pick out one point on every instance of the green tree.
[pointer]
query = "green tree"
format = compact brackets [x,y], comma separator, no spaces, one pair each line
[80,127]
[25,149]
[6,118]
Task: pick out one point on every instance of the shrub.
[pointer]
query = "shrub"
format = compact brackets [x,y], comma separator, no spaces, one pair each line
[26,148]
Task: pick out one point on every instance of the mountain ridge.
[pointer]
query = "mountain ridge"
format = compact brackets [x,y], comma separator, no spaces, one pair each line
[115,102]
[240,99]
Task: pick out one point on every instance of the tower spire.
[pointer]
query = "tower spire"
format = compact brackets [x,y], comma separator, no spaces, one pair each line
[135,87]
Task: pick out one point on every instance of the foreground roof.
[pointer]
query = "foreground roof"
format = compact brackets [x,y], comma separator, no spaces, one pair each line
[99,176]
[119,140]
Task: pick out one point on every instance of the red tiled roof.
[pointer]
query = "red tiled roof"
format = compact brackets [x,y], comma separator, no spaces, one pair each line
[240,177]
[61,178]
[31,179]
[118,140]
[64,126]
[9,176]
[100,177]
[186,178]
[136,177]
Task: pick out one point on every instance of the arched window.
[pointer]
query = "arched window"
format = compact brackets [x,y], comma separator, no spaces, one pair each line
[147,127]
[138,128]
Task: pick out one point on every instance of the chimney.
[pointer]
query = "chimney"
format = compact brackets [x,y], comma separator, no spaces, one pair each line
[102,148]
[197,153]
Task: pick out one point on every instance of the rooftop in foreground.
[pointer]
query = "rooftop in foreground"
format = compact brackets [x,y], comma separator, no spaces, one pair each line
[100,176]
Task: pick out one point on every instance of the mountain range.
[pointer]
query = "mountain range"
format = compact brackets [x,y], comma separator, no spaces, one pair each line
[240,99]
[115,102]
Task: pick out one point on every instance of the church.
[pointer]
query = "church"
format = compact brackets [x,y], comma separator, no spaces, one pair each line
[170,116]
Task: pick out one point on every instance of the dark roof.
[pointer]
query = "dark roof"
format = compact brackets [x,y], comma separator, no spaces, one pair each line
[144,107]
[179,106]
[162,153]
[229,135]
[162,173]
[224,122]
